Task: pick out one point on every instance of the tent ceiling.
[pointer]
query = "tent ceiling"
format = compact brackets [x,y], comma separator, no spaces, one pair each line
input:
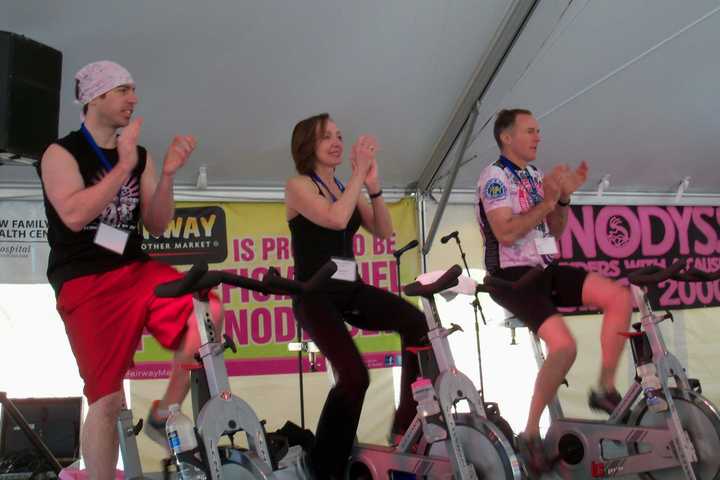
[629,87]
[240,74]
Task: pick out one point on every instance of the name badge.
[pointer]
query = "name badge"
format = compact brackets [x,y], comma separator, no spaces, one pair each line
[546,246]
[346,269]
[111,238]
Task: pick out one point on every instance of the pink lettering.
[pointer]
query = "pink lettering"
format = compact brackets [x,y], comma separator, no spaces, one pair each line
[284,324]
[379,246]
[584,234]
[283,248]
[663,247]
[394,283]
[359,245]
[707,247]
[268,245]
[379,275]
[365,272]
[237,326]
[261,331]
[682,222]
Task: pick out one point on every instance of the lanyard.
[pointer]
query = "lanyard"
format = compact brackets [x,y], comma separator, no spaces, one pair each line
[337,182]
[534,194]
[100,154]
[316,178]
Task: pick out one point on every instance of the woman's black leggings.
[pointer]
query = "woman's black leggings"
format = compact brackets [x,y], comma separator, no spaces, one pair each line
[321,315]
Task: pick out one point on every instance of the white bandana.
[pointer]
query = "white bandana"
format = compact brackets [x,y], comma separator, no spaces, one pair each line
[97,78]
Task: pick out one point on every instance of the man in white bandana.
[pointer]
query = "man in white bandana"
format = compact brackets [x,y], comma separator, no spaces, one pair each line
[97,186]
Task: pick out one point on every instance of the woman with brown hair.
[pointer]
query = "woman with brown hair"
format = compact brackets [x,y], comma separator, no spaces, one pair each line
[323,215]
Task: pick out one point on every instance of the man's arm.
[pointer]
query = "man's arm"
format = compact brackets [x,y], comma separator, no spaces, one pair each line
[557,219]
[156,197]
[569,181]
[65,188]
[509,228]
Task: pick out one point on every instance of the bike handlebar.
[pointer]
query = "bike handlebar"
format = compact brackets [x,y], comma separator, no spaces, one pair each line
[653,275]
[198,278]
[644,276]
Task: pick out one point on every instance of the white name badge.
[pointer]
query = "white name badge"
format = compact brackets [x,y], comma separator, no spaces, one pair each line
[546,246]
[346,269]
[111,238]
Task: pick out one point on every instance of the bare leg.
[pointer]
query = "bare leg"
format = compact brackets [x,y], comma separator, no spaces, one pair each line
[616,304]
[179,383]
[561,355]
[100,437]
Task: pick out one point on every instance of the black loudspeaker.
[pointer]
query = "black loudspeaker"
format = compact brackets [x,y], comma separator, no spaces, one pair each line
[55,420]
[30,75]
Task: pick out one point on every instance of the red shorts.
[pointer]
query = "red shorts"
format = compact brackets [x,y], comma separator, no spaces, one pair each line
[105,315]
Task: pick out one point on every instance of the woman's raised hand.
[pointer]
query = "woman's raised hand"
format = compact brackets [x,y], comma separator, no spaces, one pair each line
[362,155]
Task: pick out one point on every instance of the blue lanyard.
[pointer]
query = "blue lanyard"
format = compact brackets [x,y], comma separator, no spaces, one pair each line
[316,178]
[100,154]
[534,194]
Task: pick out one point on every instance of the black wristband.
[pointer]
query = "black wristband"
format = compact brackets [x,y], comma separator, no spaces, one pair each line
[376,195]
[563,204]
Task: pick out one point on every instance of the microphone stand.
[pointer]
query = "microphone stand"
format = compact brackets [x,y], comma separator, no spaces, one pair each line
[476,308]
[397,256]
[397,267]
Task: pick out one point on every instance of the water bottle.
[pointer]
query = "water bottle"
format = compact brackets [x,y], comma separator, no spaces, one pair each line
[429,410]
[181,437]
[652,389]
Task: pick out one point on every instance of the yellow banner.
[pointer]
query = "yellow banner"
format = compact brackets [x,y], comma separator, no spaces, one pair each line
[247,239]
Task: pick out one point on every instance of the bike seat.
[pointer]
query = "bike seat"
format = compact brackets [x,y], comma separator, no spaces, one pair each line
[447,280]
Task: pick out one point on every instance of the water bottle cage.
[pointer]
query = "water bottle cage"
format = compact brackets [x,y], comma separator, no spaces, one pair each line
[188,456]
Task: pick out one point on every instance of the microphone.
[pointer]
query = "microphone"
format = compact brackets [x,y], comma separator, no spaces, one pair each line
[411,244]
[450,235]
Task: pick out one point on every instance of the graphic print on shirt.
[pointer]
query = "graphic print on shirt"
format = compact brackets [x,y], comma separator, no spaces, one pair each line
[495,190]
[520,190]
[530,193]
[119,212]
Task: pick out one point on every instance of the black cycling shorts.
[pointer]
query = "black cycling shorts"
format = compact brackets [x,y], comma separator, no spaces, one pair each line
[558,286]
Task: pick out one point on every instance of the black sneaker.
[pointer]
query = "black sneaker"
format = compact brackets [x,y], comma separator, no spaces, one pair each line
[532,453]
[604,401]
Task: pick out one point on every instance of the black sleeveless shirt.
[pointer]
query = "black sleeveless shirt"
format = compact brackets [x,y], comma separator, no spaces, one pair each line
[74,254]
[313,245]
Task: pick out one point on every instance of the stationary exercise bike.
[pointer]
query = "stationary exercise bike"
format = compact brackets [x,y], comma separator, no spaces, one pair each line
[682,440]
[449,445]
[222,413]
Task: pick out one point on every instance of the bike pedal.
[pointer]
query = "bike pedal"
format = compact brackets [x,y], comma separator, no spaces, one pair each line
[695,385]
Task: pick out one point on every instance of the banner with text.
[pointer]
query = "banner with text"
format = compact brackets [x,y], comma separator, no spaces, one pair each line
[23,242]
[614,240]
[247,239]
